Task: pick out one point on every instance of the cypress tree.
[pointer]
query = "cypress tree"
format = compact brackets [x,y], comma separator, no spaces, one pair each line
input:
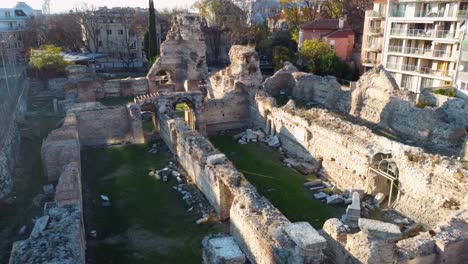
[152,40]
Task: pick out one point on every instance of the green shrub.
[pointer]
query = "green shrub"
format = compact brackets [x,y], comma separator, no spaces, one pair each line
[446,92]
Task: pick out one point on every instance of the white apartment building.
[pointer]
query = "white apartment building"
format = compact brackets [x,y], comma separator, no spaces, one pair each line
[13,21]
[418,41]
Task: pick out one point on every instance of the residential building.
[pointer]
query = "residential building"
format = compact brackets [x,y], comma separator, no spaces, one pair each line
[13,23]
[335,32]
[418,41]
[257,11]
[461,80]
[277,22]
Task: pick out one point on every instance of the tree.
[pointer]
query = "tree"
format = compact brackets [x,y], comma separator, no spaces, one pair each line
[353,9]
[152,39]
[132,26]
[282,54]
[48,61]
[90,27]
[298,12]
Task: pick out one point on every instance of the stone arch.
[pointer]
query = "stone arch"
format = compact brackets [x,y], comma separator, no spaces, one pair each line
[163,77]
[270,124]
[149,108]
[189,112]
[173,137]
[383,176]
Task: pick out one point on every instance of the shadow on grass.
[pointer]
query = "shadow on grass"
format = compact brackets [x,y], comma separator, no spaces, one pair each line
[280,184]
[148,221]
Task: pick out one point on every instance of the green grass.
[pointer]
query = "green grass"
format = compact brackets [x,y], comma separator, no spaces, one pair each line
[116,101]
[446,92]
[181,108]
[148,126]
[281,185]
[148,221]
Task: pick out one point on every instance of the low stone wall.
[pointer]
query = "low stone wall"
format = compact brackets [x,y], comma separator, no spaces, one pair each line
[261,231]
[431,186]
[59,235]
[227,113]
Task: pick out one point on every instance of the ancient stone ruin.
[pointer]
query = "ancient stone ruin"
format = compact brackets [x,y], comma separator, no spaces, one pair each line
[418,171]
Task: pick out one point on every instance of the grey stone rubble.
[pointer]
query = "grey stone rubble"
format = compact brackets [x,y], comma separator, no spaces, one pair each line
[221,249]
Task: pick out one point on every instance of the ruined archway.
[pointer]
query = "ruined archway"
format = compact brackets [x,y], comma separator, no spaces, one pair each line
[185,108]
[270,125]
[162,77]
[383,176]
[149,119]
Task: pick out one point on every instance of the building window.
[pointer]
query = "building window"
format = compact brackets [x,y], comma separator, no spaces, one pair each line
[120,31]
[109,32]
[7,14]
[464,86]
[10,24]
[332,44]
[98,32]
[133,45]
[100,43]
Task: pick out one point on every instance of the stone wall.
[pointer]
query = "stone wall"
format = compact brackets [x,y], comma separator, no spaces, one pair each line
[243,73]
[261,231]
[182,54]
[376,99]
[59,235]
[84,86]
[12,108]
[346,152]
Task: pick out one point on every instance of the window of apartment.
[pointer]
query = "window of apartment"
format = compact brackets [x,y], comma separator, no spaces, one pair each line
[425,83]
[109,32]
[7,14]
[332,44]
[406,81]
[120,31]
[10,24]
[100,44]
[464,86]
[133,45]
[98,32]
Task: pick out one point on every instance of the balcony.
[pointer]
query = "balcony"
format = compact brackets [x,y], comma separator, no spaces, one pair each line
[418,69]
[375,30]
[422,14]
[374,14]
[462,14]
[423,33]
[373,47]
[436,53]
[370,62]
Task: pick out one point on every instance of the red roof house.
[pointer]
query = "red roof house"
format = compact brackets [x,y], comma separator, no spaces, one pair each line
[336,32]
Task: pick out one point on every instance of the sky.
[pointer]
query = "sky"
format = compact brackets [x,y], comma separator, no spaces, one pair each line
[60,6]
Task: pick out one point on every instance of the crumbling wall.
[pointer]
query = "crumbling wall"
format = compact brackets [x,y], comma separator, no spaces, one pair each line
[260,230]
[183,54]
[377,99]
[84,86]
[345,152]
[59,235]
[244,69]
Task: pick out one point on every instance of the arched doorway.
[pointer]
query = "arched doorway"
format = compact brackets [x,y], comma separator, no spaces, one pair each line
[184,108]
[162,77]
[148,117]
[383,176]
[270,126]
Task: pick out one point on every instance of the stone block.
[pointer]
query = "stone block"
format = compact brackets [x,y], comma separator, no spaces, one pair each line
[309,243]
[220,249]
[379,230]
[39,226]
[216,159]
[335,199]
[353,212]
[418,249]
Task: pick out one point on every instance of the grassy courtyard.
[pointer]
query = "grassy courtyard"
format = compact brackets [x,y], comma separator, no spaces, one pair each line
[281,185]
[148,221]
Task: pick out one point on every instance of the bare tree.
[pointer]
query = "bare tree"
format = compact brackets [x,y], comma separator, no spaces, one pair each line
[125,48]
[89,22]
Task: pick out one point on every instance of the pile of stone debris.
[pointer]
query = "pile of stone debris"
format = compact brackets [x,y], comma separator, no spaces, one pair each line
[303,167]
[255,136]
[154,148]
[189,192]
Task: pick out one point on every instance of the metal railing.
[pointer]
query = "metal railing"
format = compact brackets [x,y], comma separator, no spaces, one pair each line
[419,69]
[421,51]
[373,13]
[421,13]
[462,14]
[373,46]
[423,33]
[375,30]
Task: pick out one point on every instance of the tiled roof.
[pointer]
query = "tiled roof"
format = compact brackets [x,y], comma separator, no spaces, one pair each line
[324,24]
